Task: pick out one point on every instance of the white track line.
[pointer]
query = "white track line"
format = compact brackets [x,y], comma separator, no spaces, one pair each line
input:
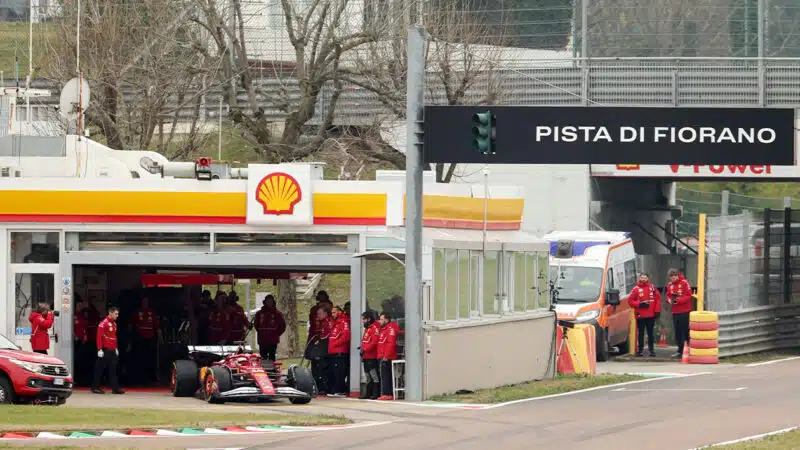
[766,363]
[679,390]
[749,438]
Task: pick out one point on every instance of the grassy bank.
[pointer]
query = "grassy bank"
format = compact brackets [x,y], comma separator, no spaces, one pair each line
[785,441]
[561,384]
[46,418]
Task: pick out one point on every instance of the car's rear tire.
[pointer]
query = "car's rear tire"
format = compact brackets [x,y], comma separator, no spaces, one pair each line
[301,379]
[185,379]
[218,380]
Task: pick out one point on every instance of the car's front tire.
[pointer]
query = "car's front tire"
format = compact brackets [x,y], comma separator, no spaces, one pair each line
[7,395]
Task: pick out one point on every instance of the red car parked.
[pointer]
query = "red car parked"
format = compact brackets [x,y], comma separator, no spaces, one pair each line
[27,377]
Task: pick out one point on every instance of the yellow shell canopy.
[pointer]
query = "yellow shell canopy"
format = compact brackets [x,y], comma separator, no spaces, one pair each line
[278,193]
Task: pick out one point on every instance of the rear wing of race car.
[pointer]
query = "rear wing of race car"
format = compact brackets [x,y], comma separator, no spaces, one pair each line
[218,349]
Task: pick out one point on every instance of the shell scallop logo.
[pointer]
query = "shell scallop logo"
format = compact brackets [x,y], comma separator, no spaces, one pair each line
[278,193]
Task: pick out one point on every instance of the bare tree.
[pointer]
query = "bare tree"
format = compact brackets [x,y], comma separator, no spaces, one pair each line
[462,58]
[320,33]
[287,304]
[144,62]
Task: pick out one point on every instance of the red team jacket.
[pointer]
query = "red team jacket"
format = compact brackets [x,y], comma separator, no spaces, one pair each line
[645,292]
[218,325]
[79,329]
[40,340]
[92,319]
[146,323]
[270,326]
[369,343]
[340,336]
[238,323]
[107,335]
[387,341]
[315,326]
[682,289]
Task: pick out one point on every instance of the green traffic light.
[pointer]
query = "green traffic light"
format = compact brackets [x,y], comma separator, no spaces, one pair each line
[482,132]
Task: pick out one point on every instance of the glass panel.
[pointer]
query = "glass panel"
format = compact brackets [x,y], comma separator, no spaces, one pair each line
[475,280]
[490,303]
[385,288]
[439,284]
[465,281]
[451,310]
[34,247]
[543,260]
[533,282]
[520,281]
[30,289]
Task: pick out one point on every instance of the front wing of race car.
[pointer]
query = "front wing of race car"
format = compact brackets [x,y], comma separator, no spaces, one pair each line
[257,393]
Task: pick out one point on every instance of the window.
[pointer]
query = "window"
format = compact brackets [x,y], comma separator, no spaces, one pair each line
[475,283]
[34,247]
[491,304]
[577,284]
[542,280]
[465,282]
[630,274]
[452,281]
[30,289]
[520,281]
[439,284]
[610,277]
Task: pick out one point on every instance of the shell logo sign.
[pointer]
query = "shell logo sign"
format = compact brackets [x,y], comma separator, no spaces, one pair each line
[278,193]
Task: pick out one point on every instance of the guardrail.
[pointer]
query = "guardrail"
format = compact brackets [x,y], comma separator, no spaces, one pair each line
[758,329]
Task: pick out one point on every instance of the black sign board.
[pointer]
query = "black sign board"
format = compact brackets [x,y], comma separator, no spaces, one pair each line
[613,135]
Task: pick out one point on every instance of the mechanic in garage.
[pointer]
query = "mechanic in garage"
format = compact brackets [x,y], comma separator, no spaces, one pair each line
[219,321]
[387,352]
[146,336]
[41,321]
[89,318]
[317,347]
[369,355]
[270,326]
[679,295]
[646,302]
[238,319]
[107,352]
[339,353]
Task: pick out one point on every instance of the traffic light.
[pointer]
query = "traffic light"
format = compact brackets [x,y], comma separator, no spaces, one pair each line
[483,132]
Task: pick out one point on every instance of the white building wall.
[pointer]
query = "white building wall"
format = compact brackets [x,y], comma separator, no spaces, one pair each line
[557,197]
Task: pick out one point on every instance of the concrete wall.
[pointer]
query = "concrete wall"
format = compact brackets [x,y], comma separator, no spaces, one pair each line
[490,354]
[557,197]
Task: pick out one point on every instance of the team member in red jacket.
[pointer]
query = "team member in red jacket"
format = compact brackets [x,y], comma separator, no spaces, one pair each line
[107,352]
[219,321]
[317,349]
[239,323]
[315,321]
[679,295]
[369,355]
[270,326]
[41,321]
[646,302]
[387,352]
[147,333]
[339,352]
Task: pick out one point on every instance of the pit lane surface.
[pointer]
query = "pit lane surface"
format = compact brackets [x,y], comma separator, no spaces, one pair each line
[677,413]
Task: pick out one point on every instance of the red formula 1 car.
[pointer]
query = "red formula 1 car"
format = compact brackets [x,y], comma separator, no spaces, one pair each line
[219,373]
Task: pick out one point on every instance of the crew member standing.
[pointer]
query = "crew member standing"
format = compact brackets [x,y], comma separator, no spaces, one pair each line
[80,338]
[218,321]
[238,319]
[85,356]
[387,352]
[41,321]
[369,355]
[646,302]
[315,321]
[679,295]
[107,352]
[147,334]
[317,349]
[339,353]
[270,326]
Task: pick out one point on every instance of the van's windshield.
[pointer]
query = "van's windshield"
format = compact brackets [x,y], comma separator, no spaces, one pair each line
[577,284]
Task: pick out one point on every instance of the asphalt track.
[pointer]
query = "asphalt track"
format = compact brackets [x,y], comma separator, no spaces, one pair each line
[676,413]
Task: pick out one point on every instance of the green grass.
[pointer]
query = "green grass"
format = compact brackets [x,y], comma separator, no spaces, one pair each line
[785,441]
[45,418]
[561,384]
[762,356]
[14,46]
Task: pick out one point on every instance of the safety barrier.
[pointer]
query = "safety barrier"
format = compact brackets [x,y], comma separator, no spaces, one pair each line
[579,353]
[759,329]
[703,337]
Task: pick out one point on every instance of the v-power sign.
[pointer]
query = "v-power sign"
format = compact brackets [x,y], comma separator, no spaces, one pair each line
[611,135]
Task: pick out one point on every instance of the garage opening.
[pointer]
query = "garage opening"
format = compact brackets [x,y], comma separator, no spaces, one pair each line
[163,310]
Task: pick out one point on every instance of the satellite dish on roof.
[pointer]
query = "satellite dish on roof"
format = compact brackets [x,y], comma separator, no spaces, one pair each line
[74,97]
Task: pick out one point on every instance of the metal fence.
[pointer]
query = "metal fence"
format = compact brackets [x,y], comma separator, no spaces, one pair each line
[753,279]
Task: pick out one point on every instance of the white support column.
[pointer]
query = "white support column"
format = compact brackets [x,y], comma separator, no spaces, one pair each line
[357,301]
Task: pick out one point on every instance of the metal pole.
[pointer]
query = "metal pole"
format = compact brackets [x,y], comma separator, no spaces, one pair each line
[760,29]
[78,42]
[485,205]
[723,237]
[584,30]
[413,302]
[30,68]
[701,263]
[726,199]
[219,132]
